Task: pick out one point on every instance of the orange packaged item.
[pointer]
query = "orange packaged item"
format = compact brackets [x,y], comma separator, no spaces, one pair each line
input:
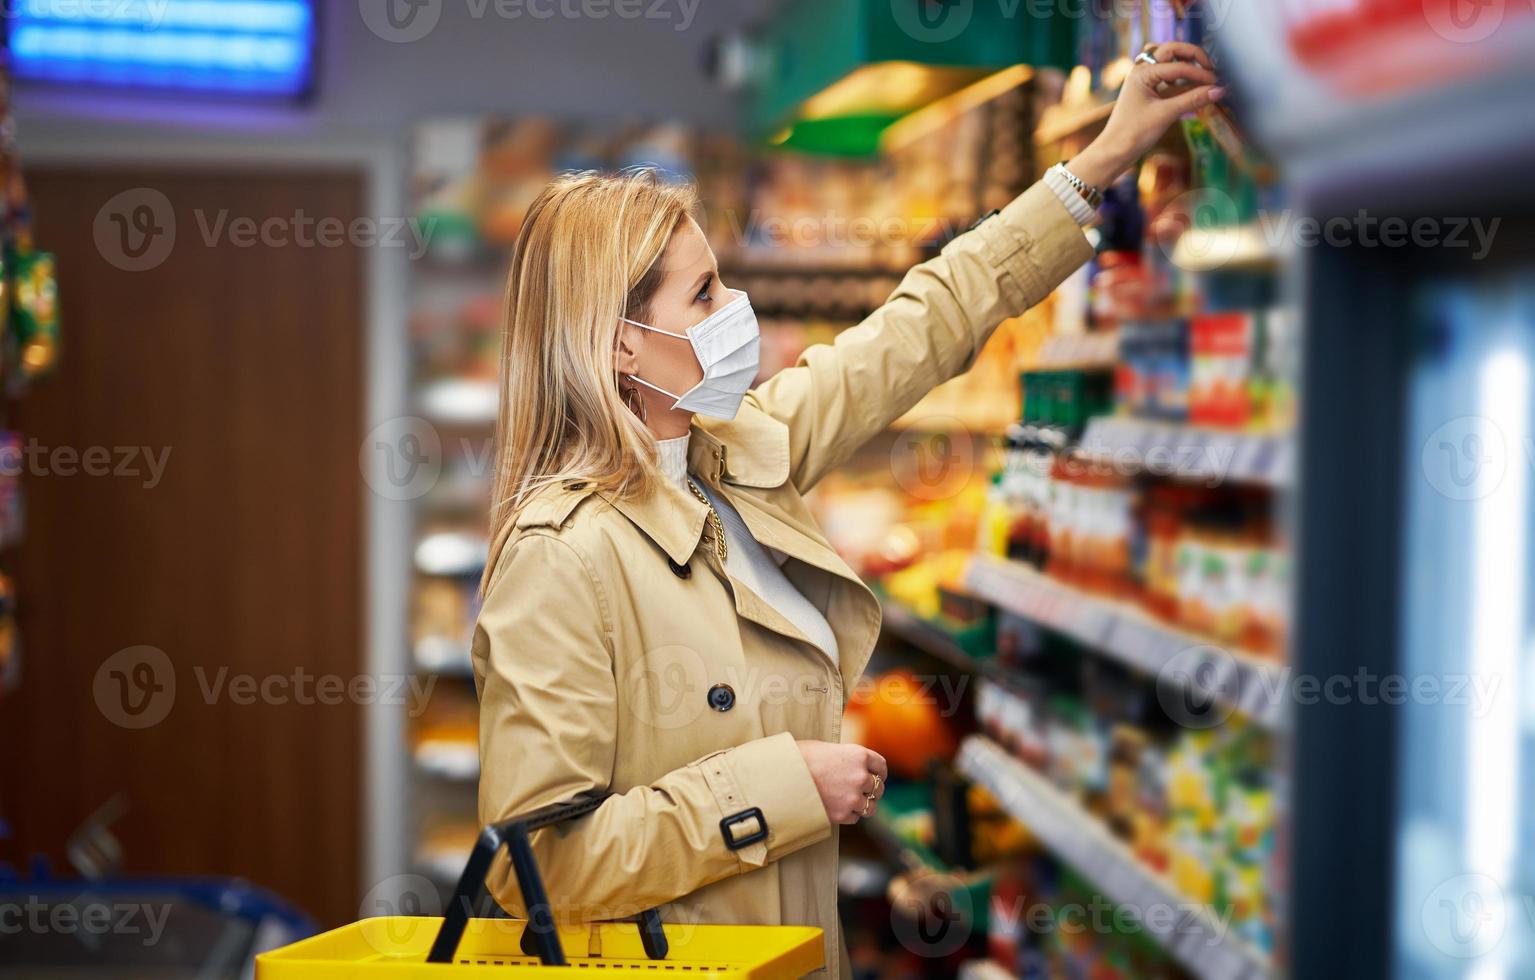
[1219,389]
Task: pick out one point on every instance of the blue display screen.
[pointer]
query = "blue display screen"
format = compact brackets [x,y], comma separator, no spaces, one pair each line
[236,47]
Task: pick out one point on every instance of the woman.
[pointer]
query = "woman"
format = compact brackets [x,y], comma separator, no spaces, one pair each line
[662,620]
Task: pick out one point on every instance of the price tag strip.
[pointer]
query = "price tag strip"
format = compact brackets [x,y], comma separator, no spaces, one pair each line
[1247,682]
[1187,453]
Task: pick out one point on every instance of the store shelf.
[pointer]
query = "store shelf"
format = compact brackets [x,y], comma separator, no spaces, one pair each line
[1190,453]
[1077,352]
[918,865]
[766,262]
[1242,680]
[448,759]
[1061,122]
[890,842]
[1193,935]
[1230,247]
[902,622]
[820,291]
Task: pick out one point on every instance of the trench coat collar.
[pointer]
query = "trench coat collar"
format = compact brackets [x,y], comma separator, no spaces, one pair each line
[750,450]
[671,517]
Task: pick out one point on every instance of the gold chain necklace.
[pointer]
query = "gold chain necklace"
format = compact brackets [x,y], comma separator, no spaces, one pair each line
[720,548]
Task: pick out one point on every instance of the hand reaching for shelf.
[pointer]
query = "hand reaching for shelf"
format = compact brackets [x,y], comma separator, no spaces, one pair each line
[1152,99]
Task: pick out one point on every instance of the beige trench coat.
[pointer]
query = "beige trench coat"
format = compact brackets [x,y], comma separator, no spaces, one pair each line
[607,623]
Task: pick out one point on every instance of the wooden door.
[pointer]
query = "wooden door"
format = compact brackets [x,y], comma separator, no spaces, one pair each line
[233,359]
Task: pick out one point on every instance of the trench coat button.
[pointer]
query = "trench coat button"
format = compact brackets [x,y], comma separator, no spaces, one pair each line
[681,571]
[722,697]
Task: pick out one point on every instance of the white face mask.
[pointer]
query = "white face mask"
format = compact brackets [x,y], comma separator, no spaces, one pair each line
[727,345]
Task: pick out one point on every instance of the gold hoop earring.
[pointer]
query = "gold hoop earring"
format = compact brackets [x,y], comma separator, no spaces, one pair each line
[634,402]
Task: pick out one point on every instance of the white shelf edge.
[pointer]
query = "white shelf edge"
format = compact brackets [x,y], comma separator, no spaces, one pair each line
[1193,936]
[1252,686]
[1230,247]
[1190,452]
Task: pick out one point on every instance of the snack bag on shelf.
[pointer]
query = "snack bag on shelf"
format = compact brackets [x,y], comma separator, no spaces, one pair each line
[1192,861]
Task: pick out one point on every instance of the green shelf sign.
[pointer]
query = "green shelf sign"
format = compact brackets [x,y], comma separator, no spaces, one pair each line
[837,73]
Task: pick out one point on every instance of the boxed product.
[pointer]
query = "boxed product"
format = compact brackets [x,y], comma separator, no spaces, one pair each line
[1153,377]
[1219,387]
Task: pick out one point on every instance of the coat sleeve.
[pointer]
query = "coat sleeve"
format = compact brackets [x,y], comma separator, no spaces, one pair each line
[841,395]
[548,732]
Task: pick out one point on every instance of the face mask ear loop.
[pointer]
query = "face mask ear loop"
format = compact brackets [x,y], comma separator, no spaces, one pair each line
[645,326]
[639,380]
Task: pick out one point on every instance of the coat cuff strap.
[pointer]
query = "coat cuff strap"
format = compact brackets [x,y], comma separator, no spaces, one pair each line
[770,776]
[1036,243]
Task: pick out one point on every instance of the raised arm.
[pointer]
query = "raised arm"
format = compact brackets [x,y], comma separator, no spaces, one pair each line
[841,395]
[548,716]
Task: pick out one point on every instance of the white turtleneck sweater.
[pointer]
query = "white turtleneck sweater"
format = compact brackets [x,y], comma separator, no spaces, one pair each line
[749,563]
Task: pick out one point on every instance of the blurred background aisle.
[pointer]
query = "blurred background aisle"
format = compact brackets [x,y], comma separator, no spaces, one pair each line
[1206,633]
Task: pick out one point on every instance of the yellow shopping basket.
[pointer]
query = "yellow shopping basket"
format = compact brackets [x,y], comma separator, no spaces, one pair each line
[456,947]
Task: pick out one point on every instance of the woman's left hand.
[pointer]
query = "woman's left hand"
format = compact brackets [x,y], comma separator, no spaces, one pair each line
[1152,99]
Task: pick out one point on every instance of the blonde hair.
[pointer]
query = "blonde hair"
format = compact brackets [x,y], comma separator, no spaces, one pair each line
[588,253]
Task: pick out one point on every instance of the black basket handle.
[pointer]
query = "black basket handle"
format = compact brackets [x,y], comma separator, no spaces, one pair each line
[539,936]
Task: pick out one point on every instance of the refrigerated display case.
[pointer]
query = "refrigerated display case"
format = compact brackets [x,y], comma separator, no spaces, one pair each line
[1412,843]
[1402,250]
